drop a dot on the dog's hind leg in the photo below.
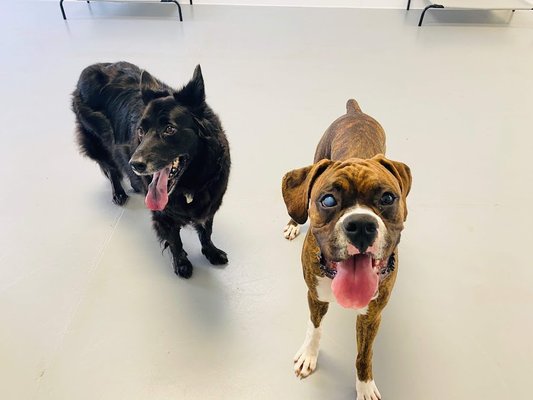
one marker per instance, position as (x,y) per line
(306,357)
(209,250)
(168,232)
(96,140)
(115,177)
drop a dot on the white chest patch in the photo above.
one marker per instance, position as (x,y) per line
(323,289)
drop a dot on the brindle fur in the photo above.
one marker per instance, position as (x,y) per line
(365,138)
(354,134)
(350,156)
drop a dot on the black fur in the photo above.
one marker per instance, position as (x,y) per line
(125,116)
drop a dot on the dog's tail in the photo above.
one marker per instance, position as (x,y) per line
(352,107)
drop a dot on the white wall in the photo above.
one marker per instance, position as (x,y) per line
(401,4)
(318,3)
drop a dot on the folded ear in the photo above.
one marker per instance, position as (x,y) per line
(401,172)
(193,93)
(150,88)
(296,189)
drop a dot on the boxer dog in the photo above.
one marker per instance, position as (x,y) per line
(355,199)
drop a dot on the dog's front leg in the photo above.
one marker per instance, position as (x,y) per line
(168,232)
(367,329)
(306,357)
(136,181)
(209,250)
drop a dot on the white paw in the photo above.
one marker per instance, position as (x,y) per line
(367,390)
(305,361)
(306,357)
(291,231)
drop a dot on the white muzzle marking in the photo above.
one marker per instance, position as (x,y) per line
(342,241)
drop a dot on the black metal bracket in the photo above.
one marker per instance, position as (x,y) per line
(177,4)
(162,1)
(408,4)
(427,8)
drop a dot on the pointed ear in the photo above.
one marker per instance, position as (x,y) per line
(150,88)
(193,93)
(401,172)
(296,189)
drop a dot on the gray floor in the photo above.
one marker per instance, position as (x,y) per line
(89,305)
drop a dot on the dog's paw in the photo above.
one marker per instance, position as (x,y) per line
(120,198)
(305,361)
(215,256)
(367,390)
(306,357)
(291,231)
(183,268)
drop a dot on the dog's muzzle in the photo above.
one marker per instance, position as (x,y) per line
(138,167)
(361,230)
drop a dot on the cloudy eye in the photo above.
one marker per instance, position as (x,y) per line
(140,132)
(328,201)
(387,199)
(170,130)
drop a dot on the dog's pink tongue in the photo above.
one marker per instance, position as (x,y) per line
(157,197)
(356,282)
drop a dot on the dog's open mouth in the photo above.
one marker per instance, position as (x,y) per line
(356,279)
(163,183)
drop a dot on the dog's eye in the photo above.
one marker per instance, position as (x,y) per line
(170,130)
(387,199)
(140,132)
(328,201)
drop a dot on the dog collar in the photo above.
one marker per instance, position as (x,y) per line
(330,272)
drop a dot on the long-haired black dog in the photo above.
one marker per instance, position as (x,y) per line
(169,143)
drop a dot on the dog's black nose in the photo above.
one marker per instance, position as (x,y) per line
(361,230)
(138,166)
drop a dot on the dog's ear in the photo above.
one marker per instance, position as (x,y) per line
(296,188)
(150,88)
(193,93)
(401,172)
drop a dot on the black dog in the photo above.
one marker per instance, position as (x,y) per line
(169,143)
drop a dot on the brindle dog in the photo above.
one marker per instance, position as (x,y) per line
(355,199)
